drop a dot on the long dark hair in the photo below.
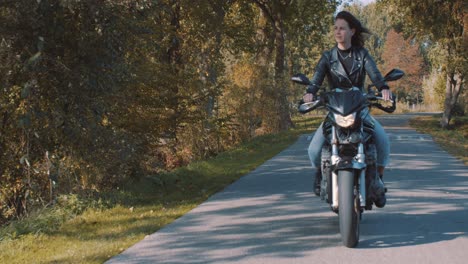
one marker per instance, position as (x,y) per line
(360,31)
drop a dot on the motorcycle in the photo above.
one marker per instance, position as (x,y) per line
(349,171)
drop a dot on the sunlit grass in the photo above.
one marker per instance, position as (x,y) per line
(127,216)
(454,140)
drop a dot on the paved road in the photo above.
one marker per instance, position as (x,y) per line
(271,216)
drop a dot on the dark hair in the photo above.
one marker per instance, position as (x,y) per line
(358,37)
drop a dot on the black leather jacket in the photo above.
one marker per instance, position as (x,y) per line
(330,66)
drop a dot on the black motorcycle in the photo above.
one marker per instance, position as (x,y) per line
(349,171)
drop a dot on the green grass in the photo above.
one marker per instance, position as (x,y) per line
(454,140)
(77,231)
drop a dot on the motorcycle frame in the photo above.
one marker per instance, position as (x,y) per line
(358,164)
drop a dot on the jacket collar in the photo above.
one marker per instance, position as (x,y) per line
(337,66)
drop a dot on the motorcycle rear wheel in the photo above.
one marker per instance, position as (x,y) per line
(349,218)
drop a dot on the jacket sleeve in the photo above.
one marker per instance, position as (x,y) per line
(374,73)
(319,75)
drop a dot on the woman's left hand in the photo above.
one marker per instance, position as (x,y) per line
(386,94)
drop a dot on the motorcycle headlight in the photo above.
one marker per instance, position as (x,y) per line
(345,121)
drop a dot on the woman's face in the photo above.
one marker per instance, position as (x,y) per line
(343,33)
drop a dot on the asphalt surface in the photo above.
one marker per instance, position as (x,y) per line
(272,216)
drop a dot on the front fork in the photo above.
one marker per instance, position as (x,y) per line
(360,158)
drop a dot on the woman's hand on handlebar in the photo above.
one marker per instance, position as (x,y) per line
(308,97)
(386,94)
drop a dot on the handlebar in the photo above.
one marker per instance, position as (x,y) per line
(311,106)
(393,75)
(372,100)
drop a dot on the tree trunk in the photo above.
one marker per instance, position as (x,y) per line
(452,91)
(174,58)
(265,42)
(280,118)
(212,68)
(283,105)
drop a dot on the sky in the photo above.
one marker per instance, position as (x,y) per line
(365,2)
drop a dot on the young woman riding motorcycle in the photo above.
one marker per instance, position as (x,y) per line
(346,66)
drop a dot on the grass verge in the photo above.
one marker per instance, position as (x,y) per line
(70,233)
(454,139)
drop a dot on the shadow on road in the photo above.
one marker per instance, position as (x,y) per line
(272,212)
(428,198)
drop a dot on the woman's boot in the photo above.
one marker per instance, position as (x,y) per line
(317,180)
(379,188)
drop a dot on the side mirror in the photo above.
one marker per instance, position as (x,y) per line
(300,79)
(394,75)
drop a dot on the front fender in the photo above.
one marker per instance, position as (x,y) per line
(348,164)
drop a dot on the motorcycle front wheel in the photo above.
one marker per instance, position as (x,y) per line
(349,218)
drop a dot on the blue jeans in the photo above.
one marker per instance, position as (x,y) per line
(381,143)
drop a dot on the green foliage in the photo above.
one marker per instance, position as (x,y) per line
(292,32)
(63,62)
(433,86)
(99,93)
(439,89)
(308,25)
(374,17)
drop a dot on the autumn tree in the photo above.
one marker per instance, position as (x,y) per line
(307,31)
(274,12)
(405,55)
(61,60)
(376,19)
(290,21)
(98,93)
(444,23)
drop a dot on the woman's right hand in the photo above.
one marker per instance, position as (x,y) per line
(308,97)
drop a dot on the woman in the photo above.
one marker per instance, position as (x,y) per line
(346,66)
